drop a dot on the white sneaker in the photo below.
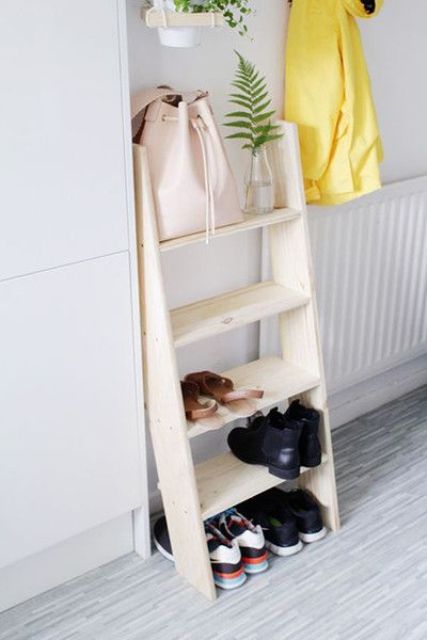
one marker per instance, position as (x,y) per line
(250,538)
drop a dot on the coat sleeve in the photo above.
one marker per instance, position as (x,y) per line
(357,9)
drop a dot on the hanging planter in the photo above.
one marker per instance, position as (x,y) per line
(175,36)
(180,22)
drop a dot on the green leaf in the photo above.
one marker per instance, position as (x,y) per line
(242,103)
(245,87)
(260,109)
(263,116)
(239,124)
(260,141)
(264,130)
(257,85)
(260,98)
(240,136)
(238,114)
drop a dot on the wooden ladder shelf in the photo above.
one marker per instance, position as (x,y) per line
(192,493)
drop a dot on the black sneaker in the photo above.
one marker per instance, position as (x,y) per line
(225,556)
(306,512)
(271,441)
(309,445)
(277,521)
(161,539)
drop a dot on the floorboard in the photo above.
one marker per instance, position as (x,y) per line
(369,582)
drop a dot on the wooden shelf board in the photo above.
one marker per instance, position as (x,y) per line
(154,18)
(232,310)
(224,481)
(279,380)
(250,222)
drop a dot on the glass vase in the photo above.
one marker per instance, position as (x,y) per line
(259,184)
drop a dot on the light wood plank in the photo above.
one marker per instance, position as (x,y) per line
(250,222)
(299,330)
(224,481)
(279,380)
(167,420)
(232,310)
(154,19)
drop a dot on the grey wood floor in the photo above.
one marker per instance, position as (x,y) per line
(369,582)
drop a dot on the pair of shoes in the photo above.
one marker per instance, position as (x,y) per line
(281,442)
(206,383)
(236,547)
(287,518)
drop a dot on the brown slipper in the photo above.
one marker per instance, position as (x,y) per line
(219,388)
(195,410)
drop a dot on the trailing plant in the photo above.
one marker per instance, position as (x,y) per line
(235,12)
(253,119)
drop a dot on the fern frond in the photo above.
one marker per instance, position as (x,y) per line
(252,121)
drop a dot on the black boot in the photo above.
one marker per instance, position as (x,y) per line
(309,444)
(271,441)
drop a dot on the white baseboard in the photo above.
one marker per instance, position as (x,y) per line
(351,403)
(74,557)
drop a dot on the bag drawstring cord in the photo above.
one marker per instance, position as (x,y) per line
(200,128)
(210,217)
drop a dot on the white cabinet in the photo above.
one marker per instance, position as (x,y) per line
(68,417)
(62,159)
(72,457)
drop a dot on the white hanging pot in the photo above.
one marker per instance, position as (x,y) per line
(176,36)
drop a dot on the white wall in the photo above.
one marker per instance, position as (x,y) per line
(395,46)
(396,50)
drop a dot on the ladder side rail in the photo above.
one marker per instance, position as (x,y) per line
(167,420)
(299,329)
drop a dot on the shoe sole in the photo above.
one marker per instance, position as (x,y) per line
(284,474)
(222,583)
(308,538)
(284,551)
(252,569)
(164,553)
(314,462)
(229,583)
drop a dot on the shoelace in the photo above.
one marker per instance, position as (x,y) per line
(214,533)
(237,518)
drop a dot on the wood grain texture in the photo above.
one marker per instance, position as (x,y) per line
(232,310)
(224,481)
(250,223)
(167,420)
(277,378)
(190,494)
(154,18)
(299,330)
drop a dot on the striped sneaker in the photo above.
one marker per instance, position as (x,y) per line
(249,537)
(226,559)
(225,556)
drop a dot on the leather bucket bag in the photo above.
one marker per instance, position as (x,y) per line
(193,185)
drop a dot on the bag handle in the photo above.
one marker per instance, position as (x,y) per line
(139,103)
(141,100)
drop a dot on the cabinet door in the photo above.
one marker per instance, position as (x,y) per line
(68,418)
(62,167)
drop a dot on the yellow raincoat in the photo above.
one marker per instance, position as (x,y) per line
(328,95)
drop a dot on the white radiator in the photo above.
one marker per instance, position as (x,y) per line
(370,266)
(370,263)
